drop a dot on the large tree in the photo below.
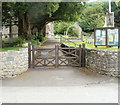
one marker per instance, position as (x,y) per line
(37,15)
(54,12)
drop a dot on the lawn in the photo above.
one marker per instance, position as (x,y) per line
(15,47)
(91,46)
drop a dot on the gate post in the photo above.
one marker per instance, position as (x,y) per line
(80,56)
(56,55)
(33,59)
(29,55)
(83,55)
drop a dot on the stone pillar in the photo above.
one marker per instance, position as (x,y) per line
(50,30)
(110,19)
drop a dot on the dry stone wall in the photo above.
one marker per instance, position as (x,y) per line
(13,63)
(103,61)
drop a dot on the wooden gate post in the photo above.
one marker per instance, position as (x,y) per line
(33,59)
(29,55)
(83,55)
(56,56)
(80,56)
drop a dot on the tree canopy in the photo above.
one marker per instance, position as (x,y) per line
(91,18)
(30,15)
(116,10)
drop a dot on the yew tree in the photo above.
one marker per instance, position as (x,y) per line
(32,14)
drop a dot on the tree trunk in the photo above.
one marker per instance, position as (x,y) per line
(10,32)
(26,27)
(20,27)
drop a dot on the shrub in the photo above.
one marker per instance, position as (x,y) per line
(37,39)
(14,42)
(74,32)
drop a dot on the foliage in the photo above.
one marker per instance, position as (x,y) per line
(15,42)
(116,10)
(8,13)
(44,12)
(35,40)
(20,41)
(73,32)
(53,11)
(115,6)
(68,28)
(61,27)
(92,17)
(38,39)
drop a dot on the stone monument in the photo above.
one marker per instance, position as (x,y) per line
(109,19)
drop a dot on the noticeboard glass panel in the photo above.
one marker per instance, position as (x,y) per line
(112,36)
(100,35)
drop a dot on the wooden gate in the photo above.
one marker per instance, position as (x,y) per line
(55,57)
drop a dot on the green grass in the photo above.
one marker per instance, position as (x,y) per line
(5,40)
(91,46)
(11,48)
(86,37)
(65,36)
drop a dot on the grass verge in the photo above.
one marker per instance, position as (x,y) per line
(91,46)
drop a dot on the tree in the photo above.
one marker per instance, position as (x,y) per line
(55,12)
(61,27)
(37,15)
(116,10)
(21,12)
(8,18)
(92,17)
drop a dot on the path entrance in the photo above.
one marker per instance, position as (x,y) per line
(55,56)
(60,85)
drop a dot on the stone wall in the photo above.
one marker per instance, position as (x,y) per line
(103,61)
(13,63)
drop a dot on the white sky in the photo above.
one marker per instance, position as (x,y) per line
(102,0)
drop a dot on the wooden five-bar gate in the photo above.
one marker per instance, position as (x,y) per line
(55,57)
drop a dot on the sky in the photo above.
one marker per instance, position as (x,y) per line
(102,0)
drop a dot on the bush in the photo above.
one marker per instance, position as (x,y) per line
(61,27)
(20,41)
(14,42)
(38,39)
(73,32)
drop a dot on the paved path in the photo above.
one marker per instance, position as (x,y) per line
(51,43)
(60,85)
